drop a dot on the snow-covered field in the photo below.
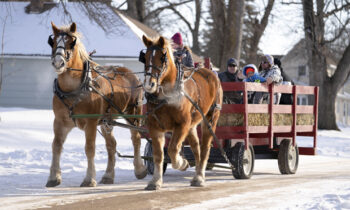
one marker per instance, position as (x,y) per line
(25,158)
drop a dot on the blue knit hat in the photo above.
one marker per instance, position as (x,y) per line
(232,61)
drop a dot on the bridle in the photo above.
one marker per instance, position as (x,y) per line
(61,38)
(148,68)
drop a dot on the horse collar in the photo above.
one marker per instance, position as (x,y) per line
(81,90)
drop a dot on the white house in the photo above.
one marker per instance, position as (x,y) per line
(295,66)
(25,55)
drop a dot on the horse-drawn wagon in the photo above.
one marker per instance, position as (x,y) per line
(88,95)
(261,131)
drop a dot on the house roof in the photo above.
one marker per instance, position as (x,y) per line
(27,34)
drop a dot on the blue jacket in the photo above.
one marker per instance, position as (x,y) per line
(255,78)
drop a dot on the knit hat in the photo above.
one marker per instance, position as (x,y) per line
(177,38)
(231,61)
(268,58)
(249,68)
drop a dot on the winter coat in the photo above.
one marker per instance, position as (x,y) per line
(274,73)
(186,56)
(231,97)
(229,77)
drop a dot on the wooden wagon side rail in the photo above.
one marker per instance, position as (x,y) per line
(269,131)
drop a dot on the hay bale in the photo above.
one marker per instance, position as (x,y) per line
(259,119)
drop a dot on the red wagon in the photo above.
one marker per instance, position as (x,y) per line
(244,143)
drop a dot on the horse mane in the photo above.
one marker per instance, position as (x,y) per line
(84,55)
(167,45)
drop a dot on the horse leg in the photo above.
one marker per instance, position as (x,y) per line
(61,131)
(140,169)
(158,157)
(90,139)
(111,144)
(194,143)
(199,178)
(179,135)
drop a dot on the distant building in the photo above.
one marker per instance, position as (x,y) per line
(295,66)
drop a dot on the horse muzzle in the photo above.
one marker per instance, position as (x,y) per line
(150,87)
(59,64)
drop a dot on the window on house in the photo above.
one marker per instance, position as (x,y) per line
(301,70)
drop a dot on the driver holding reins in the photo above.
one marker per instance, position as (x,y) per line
(181,53)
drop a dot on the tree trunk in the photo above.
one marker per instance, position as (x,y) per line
(136,9)
(259,29)
(218,13)
(195,31)
(233,31)
(326,108)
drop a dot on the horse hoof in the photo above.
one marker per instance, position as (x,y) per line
(106,180)
(197,183)
(141,175)
(152,187)
(53,183)
(185,167)
(88,184)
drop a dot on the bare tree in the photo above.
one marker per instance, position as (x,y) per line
(315,36)
(255,29)
(227,29)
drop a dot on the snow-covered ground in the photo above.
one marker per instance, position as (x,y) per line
(25,158)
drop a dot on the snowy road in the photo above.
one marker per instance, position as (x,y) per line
(321,182)
(325,179)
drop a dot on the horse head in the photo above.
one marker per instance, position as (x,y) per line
(158,60)
(62,43)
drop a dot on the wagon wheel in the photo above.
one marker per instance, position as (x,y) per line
(288,157)
(242,160)
(149,163)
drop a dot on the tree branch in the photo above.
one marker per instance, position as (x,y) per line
(180,15)
(160,9)
(332,12)
(341,31)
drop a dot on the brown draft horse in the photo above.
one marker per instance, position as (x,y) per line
(76,90)
(170,111)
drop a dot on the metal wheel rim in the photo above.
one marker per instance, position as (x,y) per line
(247,161)
(292,157)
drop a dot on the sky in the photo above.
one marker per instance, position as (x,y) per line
(25,157)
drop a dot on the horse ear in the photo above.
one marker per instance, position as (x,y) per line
(146,41)
(54,28)
(161,42)
(73,27)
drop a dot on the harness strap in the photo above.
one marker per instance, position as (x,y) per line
(210,130)
(111,103)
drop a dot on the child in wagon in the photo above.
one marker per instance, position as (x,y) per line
(251,73)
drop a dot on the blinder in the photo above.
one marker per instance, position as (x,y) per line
(51,42)
(142,56)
